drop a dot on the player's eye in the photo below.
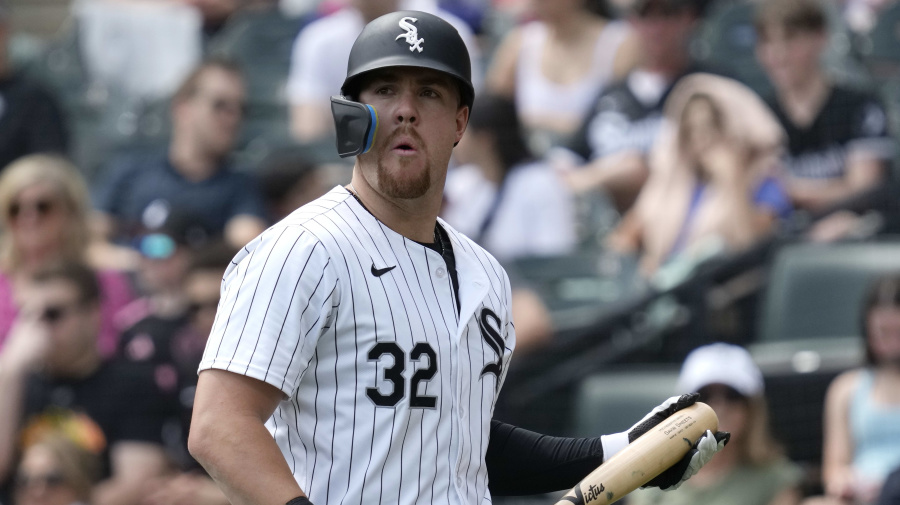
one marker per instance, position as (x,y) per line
(382,90)
(430,93)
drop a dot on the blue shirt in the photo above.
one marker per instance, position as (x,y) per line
(137,185)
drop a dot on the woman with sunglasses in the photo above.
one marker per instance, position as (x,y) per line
(753,470)
(44,204)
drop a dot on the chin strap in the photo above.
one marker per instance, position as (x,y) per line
(355,125)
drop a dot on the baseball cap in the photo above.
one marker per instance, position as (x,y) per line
(720,363)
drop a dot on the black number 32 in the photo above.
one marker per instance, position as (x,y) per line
(394,375)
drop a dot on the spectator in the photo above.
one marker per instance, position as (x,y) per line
(618,133)
(44,204)
(165,254)
(51,374)
(712,187)
(838,144)
(555,66)
(170,339)
(318,62)
(136,50)
(56,471)
(194,174)
(862,406)
(30,117)
(501,197)
(754,470)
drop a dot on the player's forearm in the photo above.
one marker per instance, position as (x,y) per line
(244,460)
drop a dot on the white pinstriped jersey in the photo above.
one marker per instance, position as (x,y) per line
(390,387)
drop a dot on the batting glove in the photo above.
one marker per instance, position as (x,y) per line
(704,449)
(701,452)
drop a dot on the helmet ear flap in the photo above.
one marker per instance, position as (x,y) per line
(355,125)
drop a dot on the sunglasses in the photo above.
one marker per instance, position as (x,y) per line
(725,393)
(42,207)
(53,314)
(47,480)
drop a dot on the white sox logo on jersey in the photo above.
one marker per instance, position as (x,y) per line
(491,335)
(411,35)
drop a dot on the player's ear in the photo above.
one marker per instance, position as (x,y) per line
(462,121)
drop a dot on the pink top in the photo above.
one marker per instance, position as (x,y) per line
(115,289)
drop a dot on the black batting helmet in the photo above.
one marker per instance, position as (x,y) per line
(410,39)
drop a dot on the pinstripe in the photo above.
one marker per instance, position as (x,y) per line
(280,272)
(312,326)
(231,311)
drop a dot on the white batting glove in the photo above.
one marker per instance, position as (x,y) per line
(704,449)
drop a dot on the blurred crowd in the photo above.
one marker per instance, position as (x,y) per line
(144,142)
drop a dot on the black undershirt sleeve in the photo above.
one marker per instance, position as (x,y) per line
(522,462)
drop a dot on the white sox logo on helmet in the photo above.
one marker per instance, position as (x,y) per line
(411,35)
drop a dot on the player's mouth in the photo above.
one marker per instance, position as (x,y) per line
(404,147)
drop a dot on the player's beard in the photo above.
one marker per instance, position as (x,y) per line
(401,184)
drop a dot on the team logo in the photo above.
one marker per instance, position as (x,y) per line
(411,35)
(489,324)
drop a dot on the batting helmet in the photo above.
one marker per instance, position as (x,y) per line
(398,39)
(410,39)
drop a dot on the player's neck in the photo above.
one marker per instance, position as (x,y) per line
(414,219)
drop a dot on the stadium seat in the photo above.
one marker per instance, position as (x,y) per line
(815,290)
(576,287)
(611,402)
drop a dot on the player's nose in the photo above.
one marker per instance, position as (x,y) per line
(406,110)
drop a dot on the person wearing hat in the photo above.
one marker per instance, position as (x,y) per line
(754,469)
(360,343)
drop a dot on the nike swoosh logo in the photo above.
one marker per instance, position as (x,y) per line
(378,272)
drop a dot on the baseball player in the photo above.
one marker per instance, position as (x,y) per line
(360,343)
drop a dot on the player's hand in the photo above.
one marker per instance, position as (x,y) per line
(704,449)
(618,441)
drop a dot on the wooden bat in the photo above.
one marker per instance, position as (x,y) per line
(645,458)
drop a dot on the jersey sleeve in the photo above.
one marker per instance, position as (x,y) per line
(277,298)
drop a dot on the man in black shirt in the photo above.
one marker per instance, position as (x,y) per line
(838,143)
(52,377)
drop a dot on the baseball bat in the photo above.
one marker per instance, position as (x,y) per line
(645,458)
